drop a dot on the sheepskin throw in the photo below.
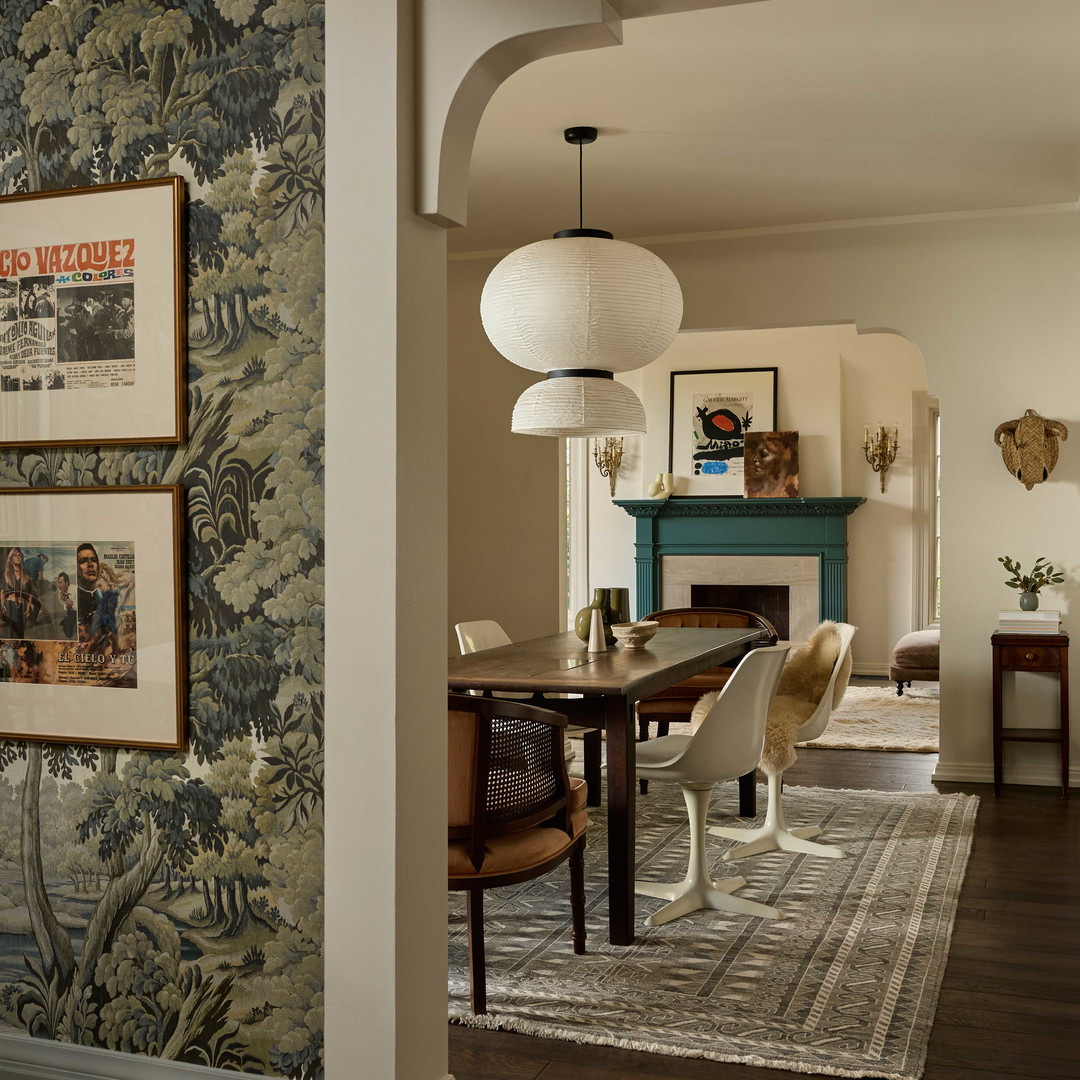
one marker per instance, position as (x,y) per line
(803,683)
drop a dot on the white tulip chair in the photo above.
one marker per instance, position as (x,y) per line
(774,834)
(726,745)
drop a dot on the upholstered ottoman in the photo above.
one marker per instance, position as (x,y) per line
(915,657)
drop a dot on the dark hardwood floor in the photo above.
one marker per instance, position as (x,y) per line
(1010,1002)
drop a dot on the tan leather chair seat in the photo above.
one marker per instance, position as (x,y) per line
(689,689)
(522,850)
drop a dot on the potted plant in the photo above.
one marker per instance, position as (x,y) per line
(1029,584)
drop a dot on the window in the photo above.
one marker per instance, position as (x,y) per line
(575,527)
(926,511)
(935,434)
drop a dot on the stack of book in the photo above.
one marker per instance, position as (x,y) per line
(1029,622)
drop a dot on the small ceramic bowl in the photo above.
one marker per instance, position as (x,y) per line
(634,635)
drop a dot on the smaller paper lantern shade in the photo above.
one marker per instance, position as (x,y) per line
(578,408)
(581,302)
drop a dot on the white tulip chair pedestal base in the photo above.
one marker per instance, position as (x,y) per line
(774,835)
(697,891)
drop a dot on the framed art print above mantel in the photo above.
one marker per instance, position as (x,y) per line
(710,413)
(93,329)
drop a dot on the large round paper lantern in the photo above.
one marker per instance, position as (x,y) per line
(581,302)
(579,307)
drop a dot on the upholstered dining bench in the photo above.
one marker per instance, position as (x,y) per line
(915,658)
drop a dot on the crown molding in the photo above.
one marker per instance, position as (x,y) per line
(814,226)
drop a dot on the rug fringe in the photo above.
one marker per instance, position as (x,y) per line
(545,1031)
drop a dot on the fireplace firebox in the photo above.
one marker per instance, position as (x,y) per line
(772,601)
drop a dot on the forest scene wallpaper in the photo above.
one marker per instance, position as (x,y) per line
(152,903)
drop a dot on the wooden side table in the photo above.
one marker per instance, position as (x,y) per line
(1032,652)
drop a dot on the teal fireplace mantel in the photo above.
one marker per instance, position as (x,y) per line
(816,527)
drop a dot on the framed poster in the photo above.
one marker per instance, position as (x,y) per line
(92,627)
(710,413)
(93,334)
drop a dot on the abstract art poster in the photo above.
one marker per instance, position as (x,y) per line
(80,660)
(92,326)
(710,415)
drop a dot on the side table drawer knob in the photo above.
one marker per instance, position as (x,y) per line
(1029,656)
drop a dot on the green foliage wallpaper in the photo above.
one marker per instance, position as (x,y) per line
(150,903)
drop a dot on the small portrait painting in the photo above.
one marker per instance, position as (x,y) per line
(771,465)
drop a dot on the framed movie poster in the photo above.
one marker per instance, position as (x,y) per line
(92,316)
(92,627)
(711,411)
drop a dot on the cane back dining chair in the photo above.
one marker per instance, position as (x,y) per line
(513,811)
(727,744)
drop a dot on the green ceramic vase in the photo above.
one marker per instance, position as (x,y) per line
(619,605)
(601,600)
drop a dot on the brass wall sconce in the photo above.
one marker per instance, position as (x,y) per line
(608,457)
(880,449)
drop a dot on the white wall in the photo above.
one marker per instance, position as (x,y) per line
(504,559)
(831,380)
(385,567)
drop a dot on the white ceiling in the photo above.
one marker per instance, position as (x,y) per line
(786,112)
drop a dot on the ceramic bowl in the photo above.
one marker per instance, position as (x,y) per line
(634,635)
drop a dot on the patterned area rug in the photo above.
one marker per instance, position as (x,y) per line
(846,984)
(872,717)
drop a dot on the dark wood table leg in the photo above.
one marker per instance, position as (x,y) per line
(592,744)
(619,716)
(997,720)
(748,794)
(587,712)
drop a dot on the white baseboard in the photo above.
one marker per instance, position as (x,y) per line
(879,671)
(959,773)
(956,772)
(24,1058)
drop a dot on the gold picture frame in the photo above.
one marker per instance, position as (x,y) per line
(93,629)
(93,316)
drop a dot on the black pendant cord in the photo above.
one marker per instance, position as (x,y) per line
(580,185)
(580,136)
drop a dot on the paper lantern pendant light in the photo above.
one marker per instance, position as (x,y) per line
(580,307)
(566,404)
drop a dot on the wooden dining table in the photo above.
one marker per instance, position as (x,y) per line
(560,664)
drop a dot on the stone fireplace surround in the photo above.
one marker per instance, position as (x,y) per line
(800,543)
(679,573)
